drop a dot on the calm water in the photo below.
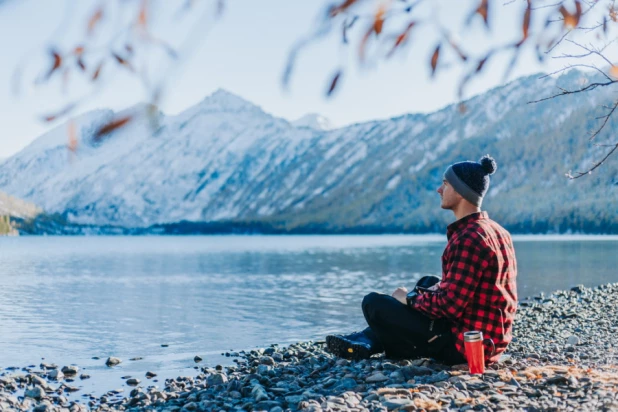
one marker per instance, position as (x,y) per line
(68,299)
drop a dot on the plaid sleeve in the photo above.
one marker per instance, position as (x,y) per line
(463,267)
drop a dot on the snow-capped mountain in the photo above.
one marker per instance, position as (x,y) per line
(314,121)
(226,160)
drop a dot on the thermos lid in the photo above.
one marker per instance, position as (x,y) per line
(473,336)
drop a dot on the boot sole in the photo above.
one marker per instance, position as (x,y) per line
(346,349)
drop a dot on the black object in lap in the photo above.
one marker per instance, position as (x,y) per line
(408,333)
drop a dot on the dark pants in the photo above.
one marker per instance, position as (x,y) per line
(407,333)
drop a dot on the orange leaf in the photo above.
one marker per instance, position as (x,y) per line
(72,134)
(97,72)
(571,20)
(111,126)
(122,61)
(64,111)
(526,24)
(56,65)
(333,83)
(363,44)
(482,11)
(335,10)
(434,60)
(378,21)
(142,19)
(78,51)
(94,20)
(613,71)
(401,38)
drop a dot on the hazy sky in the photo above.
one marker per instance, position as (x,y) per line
(244,52)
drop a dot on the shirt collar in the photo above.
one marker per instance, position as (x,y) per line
(464,221)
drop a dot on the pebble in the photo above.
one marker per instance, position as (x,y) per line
(111,361)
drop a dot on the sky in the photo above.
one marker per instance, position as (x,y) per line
(245,52)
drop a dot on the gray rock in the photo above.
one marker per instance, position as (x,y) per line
(396,403)
(55,375)
(216,379)
(439,377)
(84,376)
(197,359)
(376,377)
(346,384)
(409,372)
(133,381)
(70,370)
(573,340)
(150,375)
(112,361)
(259,393)
(35,393)
(267,360)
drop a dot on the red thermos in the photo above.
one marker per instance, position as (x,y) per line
(475,353)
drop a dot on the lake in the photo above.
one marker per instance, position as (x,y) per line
(69,299)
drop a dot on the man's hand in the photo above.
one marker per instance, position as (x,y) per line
(400,294)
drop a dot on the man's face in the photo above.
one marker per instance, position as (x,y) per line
(450,198)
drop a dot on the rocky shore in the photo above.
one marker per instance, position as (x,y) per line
(563,357)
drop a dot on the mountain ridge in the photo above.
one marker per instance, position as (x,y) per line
(226,164)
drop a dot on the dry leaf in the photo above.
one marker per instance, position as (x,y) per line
(94,20)
(363,44)
(64,111)
(78,51)
(142,19)
(335,10)
(378,21)
(111,126)
(613,72)
(483,12)
(401,38)
(434,60)
(81,64)
(72,134)
(571,20)
(482,62)
(56,64)
(526,23)
(122,61)
(333,83)
(97,72)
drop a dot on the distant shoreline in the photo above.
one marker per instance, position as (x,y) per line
(56,225)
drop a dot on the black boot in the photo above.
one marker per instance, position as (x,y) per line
(355,346)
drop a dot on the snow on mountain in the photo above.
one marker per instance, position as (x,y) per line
(314,121)
(225,159)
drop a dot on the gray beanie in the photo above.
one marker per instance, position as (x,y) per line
(471,179)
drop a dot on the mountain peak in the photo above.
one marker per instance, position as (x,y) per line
(314,121)
(227,100)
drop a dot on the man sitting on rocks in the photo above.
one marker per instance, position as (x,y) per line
(477,290)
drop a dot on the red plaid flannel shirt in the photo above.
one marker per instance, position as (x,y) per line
(477,290)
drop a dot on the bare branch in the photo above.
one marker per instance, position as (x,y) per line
(595,166)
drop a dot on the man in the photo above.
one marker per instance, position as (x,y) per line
(477,290)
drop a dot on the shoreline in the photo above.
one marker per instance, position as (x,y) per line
(563,357)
